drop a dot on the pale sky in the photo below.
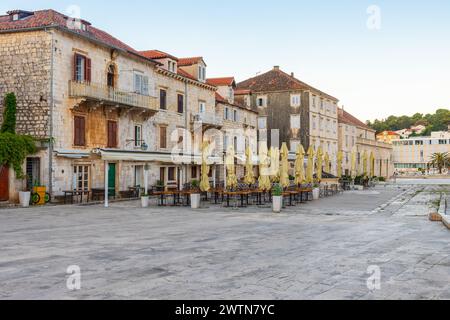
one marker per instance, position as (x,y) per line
(401,68)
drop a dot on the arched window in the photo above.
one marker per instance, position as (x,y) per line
(111,78)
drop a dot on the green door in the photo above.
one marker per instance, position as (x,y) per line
(112,180)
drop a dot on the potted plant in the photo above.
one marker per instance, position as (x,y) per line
(195,195)
(316,191)
(159,186)
(145,200)
(277,198)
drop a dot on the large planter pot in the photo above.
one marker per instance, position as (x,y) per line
(145,201)
(277,204)
(24,198)
(316,193)
(195,201)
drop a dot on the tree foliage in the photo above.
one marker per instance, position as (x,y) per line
(13,148)
(440,161)
(9,114)
(438,121)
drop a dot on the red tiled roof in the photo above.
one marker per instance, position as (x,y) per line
(189,61)
(183,73)
(156,54)
(240,92)
(219,98)
(52,18)
(390,133)
(277,80)
(226,81)
(345,117)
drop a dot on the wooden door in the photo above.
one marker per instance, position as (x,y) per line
(4,183)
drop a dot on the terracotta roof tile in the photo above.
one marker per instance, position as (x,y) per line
(226,81)
(182,62)
(156,54)
(183,73)
(345,117)
(277,80)
(52,18)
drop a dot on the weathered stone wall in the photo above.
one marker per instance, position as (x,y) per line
(25,64)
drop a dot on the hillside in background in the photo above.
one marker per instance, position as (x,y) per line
(438,121)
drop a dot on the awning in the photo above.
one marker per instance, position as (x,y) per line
(72,154)
(146,156)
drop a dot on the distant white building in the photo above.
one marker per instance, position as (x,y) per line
(413,154)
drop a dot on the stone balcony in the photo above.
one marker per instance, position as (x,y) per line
(210,120)
(113,96)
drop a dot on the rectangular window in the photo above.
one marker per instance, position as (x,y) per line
(261,101)
(138,135)
(163,137)
(82,68)
(81,178)
(163,99)
(262,123)
(33,170)
(202,107)
(295,100)
(180,103)
(140,83)
(235,116)
(194,172)
(295,121)
(139,176)
(171,174)
(79,131)
(226,142)
(112,134)
(226,113)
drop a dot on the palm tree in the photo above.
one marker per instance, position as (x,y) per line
(440,161)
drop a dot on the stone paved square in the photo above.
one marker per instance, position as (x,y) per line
(320,250)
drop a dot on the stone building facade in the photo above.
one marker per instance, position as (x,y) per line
(301,113)
(356,136)
(93,101)
(239,124)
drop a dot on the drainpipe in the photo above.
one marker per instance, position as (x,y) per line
(51,106)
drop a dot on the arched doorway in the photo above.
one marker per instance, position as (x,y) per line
(111,76)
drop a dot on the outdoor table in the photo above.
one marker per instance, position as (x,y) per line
(242,194)
(288,194)
(163,194)
(216,193)
(73,193)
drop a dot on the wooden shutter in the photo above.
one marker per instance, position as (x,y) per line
(163,137)
(162,99)
(75,58)
(88,67)
(79,131)
(112,134)
(180,103)
(145,90)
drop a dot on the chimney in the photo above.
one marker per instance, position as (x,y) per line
(276,68)
(292,75)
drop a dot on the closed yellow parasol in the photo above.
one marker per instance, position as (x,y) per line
(319,164)
(310,167)
(327,163)
(354,169)
(284,167)
(300,165)
(249,174)
(264,173)
(365,159)
(372,165)
(340,158)
(232,181)
(274,155)
(204,183)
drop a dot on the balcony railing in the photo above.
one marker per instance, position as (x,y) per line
(111,95)
(373,143)
(208,119)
